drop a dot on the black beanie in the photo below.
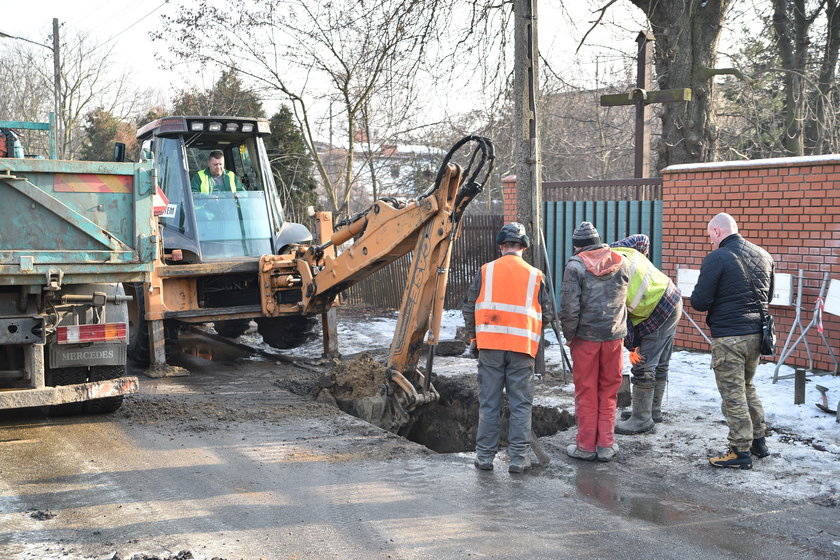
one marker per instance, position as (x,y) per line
(585,235)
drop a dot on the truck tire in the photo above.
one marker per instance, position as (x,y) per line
(109,404)
(232,328)
(66,376)
(287,332)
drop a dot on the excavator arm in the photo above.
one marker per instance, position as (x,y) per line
(425,227)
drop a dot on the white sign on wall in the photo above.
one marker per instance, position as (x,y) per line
(832,299)
(686,280)
(782,289)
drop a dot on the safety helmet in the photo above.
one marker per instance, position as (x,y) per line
(514,232)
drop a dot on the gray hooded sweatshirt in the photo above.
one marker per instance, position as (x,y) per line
(592,298)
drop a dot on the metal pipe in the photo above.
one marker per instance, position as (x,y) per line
(566,363)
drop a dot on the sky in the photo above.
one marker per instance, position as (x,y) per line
(125,26)
(804,442)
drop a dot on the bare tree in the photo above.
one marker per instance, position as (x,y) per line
(87,82)
(786,102)
(25,97)
(352,55)
(793,22)
(687,34)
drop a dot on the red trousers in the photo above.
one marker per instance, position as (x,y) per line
(597,373)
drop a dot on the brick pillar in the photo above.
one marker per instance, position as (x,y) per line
(509,197)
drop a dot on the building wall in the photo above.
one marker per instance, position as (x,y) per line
(789,206)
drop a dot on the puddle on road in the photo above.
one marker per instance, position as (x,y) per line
(449,426)
(192,345)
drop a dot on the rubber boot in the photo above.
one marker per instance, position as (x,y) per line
(658,392)
(640,421)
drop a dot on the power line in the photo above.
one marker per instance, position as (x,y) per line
(113,37)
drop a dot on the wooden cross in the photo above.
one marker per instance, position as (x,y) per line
(641,97)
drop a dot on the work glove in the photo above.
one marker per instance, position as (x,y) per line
(635,357)
(473,349)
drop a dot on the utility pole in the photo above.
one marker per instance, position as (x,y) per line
(57,85)
(528,162)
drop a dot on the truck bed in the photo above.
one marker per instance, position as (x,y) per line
(81,221)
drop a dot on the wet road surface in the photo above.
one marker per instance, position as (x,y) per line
(227,463)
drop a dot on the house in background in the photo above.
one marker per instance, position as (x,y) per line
(380,170)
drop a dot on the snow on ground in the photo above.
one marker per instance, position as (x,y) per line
(804,442)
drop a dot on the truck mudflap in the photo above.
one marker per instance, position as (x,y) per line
(63,394)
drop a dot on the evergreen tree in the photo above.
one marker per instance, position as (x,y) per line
(228,97)
(101,131)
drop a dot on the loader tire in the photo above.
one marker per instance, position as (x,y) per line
(138,332)
(232,328)
(66,376)
(287,332)
(138,329)
(108,404)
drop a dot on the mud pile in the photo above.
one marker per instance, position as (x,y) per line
(357,378)
(183,555)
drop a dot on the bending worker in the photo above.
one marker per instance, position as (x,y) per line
(654,307)
(214,177)
(505,310)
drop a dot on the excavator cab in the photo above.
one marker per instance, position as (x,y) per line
(215,234)
(241,218)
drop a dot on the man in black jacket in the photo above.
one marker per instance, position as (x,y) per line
(734,318)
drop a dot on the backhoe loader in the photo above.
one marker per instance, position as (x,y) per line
(230,257)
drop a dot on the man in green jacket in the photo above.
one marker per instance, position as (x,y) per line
(654,307)
(214,177)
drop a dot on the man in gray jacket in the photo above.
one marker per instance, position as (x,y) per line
(594,316)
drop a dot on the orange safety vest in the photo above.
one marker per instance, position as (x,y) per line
(508,315)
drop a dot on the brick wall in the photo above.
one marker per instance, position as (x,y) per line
(789,206)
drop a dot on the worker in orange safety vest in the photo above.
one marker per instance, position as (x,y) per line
(505,310)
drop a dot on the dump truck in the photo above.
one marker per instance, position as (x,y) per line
(71,233)
(230,256)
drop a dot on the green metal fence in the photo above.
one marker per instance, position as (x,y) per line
(616,209)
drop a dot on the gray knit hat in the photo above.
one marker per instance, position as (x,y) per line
(585,235)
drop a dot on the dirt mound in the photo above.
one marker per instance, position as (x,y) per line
(183,555)
(359,377)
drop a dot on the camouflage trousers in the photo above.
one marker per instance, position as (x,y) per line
(734,359)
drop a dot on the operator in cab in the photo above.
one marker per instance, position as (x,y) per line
(215,178)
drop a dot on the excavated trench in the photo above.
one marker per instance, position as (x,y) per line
(446,426)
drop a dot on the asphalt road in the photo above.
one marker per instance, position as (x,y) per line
(228,463)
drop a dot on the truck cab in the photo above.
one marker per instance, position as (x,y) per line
(201,225)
